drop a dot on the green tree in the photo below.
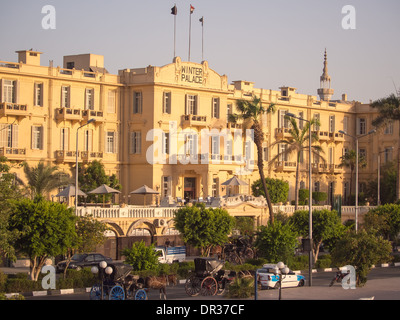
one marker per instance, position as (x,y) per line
(203,227)
(93,175)
(245,225)
(297,144)
(277,242)
(141,257)
(9,189)
(43,179)
(90,233)
(250,112)
(327,227)
(43,229)
(388,183)
(388,108)
(349,160)
(361,250)
(384,221)
(278,189)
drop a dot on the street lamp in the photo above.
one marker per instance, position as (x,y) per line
(310,253)
(280,270)
(356,139)
(76,168)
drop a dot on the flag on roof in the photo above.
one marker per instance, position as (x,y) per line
(174,10)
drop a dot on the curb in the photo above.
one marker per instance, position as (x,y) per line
(49,292)
(87,290)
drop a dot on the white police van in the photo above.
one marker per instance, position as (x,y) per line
(269,279)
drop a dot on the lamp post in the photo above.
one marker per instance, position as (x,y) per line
(310,253)
(279,271)
(356,138)
(76,168)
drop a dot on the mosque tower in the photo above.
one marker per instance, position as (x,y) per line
(325,92)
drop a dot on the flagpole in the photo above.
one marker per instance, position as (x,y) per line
(175,34)
(202,38)
(174,11)
(190,27)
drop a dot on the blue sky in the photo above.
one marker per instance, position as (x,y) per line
(271,43)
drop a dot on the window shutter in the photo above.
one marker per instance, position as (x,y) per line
(132,142)
(16,91)
(138,142)
(2,91)
(32,137)
(358,126)
(115,142)
(41,138)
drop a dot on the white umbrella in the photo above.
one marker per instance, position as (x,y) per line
(235,181)
(104,189)
(144,190)
(70,192)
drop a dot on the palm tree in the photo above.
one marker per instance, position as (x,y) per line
(349,160)
(250,111)
(43,179)
(388,108)
(296,144)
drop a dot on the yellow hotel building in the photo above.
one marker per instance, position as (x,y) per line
(159,113)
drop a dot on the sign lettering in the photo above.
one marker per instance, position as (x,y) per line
(192,74)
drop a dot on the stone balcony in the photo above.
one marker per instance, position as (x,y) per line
(68,114)
(13,109)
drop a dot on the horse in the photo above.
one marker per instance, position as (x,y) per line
(157,283)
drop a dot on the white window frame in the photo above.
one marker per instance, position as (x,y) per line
(167,102)
(38,88)
(111,142)
(191,104)
(65,96)
(9,135)
(89,99)
(37,138)
(9,91)
(215,107)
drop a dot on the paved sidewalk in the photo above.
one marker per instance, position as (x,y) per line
(378,289)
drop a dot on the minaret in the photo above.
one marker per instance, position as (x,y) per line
(325,92)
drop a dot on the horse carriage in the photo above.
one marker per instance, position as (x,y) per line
(209,278)
(237,251)
(117,283)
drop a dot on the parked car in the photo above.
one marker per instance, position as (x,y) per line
(82,260)
(269,279)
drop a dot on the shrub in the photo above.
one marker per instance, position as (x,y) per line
(141,257)
(241,288)
(299,263)
(319,196)
(185,268)
(324,261)
(3,281)
(22,285)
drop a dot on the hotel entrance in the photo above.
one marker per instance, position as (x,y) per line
(189,189)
